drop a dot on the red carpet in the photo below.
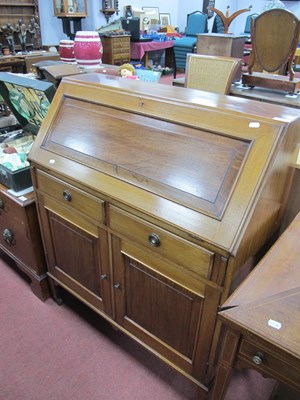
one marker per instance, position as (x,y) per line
(51,352)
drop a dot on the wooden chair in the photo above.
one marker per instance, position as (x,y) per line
(211,73)
(274,38)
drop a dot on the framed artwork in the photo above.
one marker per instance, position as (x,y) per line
(152,13)
(164,19)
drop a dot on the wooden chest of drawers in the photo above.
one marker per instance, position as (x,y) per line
(21,238)
(116,49)
(160,200)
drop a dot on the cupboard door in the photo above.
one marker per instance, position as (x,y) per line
(77,253)
(160,311)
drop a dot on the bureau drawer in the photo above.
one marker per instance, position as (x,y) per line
(196,260)
(279,367)
(71,197)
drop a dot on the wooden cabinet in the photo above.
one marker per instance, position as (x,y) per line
(11,13)
(151,208)
(155,297)
(220,44)
(21,238)
(116,49)
(78,245)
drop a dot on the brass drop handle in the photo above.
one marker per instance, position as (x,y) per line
(154,239)
(258,358)
(9,237)
(67,195)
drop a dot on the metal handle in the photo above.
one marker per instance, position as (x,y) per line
(117,285)
(103,276)
(154,239)
(258,358)
(9,237)
(67,195)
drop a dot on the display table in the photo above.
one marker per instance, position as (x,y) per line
(140,50)
(262,318)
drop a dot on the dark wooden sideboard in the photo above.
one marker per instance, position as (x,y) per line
(262,318)
(151,199)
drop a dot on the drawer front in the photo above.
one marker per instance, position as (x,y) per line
(16,237)
(121,44)
(71,197)
(13,217)
(121,51)
(283,368)
(121,57)
(121,47)
(196,260)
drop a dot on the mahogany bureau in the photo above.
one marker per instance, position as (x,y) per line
(152,198)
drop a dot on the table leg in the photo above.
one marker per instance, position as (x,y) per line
(225,364)
(146,59)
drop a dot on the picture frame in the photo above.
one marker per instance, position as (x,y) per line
(152,13)
(164,19)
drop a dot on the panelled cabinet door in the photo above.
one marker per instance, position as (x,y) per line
(160,311)
(77,253)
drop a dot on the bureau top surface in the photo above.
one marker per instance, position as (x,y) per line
(167,151)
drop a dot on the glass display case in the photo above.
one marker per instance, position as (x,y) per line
(70,8)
